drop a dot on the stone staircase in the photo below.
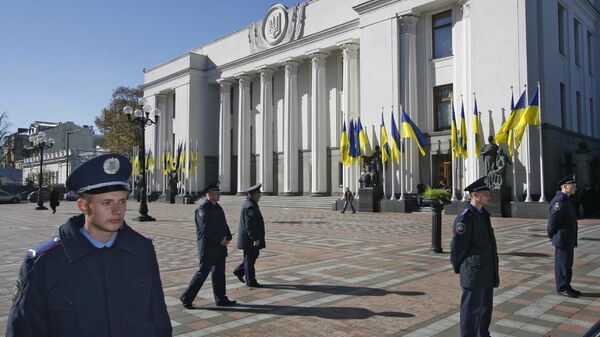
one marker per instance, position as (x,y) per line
(300,201)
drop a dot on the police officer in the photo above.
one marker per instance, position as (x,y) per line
(474,255)
(562,231)
(97,277)
(251,237)
(212,235)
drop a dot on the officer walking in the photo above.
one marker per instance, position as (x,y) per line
(251,237)
(213,236)
(562,231)
(474,255)
(97,277)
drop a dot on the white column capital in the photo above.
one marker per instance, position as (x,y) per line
(465,6)
(244,79)
(408,24)
(225,82)
(290,66)
(266,73)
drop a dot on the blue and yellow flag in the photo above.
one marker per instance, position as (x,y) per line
(385,148)
(410,130)
(462,134)
(476,131)
(502,136)
(345,147)
(531,116)
(353,136)
(454,136)
(395,141)
(365,145)
(150,161)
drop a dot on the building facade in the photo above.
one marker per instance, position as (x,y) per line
(268,103)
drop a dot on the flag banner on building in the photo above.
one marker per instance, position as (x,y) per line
(365,145)
(181,163)
(385,148)
(502,136)
(150,160)
(410,130)
(530,116)
(454,136)
(395,141)
(345,147)
(163,161)
(352,135)
(476,132)
(462,134)
(135,162)
(178,157)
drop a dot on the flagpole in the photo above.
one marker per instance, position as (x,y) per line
(463,162)
(527,154)
(542,196)
(402,156)
(475,139)
(393,196)
(452,157)
(515,197)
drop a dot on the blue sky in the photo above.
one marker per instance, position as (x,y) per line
(60,60)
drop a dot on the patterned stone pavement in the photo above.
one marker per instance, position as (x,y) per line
(327,274)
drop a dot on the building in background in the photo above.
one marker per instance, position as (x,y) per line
(268,103)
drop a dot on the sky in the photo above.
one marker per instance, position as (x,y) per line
(60,60)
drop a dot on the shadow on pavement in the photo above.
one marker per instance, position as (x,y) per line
(321,312)
(590,295)
(526,254)
(341,290)
(590,239)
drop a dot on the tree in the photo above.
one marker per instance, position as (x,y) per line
(120,135)
(4,127)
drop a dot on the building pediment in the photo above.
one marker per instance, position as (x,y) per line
(280,25)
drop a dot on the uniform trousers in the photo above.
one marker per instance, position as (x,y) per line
(476,312)
(215,265)
(246,268)
(563,268)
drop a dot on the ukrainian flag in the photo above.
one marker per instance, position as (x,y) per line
(531,116)
(345,147)
(385,148)
(352,135)
(462,135)
(476,131)
(502,136)
(395,141)
(454,136)
(410,130)
(364,144)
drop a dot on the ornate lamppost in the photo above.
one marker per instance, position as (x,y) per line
(40,142)
(141,117)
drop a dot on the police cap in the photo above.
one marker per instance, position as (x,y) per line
(478,185)
(252,189)
(104,173)
(213,187)
(570,179)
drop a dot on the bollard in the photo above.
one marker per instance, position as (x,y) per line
(436,226)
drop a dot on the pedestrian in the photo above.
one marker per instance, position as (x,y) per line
(562,231)
(54,199)
(97,277)
(212,237)
(474,255)
(251,237)
(348,198)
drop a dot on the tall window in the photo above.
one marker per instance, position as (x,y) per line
(577,41)
(563,106)
(561,29)
(442,34)
(442,107)
(590,47)
(173,106)
(579,112)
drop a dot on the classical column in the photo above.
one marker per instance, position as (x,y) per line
(318,130)
(290,126)
(408,78)
(266,149)
(225,135)
(350,101)
(243,164)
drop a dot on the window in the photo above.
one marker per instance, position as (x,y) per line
(561,29)
(576,35)
(442,34)
(173,106)
(563,106)
(579,114)
(589,51)
(442,107)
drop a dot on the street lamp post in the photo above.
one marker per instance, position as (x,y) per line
(141,117)
(40,142)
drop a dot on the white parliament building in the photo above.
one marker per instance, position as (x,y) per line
(267,104)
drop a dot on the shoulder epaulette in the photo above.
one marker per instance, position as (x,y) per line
(465,213)
(43,247)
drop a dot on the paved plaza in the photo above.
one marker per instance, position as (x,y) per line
(331,274)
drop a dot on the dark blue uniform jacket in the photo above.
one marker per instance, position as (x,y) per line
(473,249)
(252,226)
(69,288)
(211,228)
(562,222)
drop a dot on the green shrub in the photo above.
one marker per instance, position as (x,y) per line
(440,194)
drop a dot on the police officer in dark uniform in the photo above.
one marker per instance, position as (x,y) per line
(251,237)
(97,277)
(474,255)
(213,236)
(562,231)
